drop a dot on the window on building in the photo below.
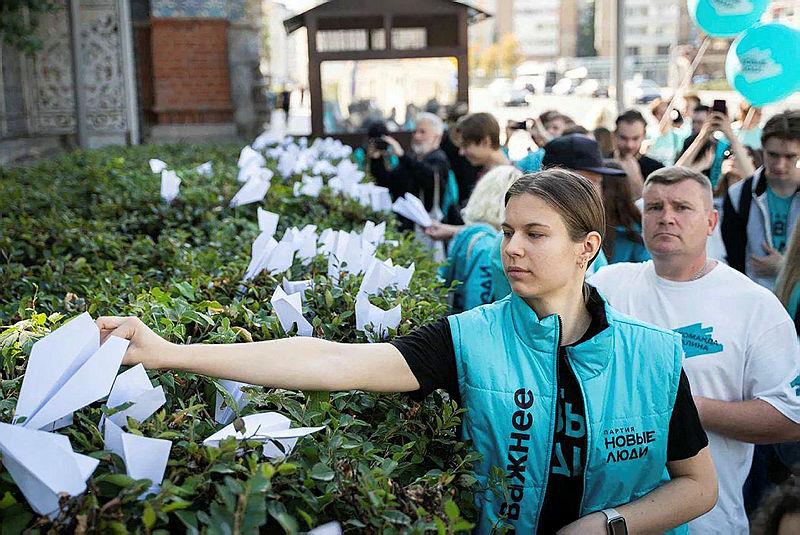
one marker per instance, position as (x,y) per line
(632,50)
(663,50)
(409,38)
(340,40)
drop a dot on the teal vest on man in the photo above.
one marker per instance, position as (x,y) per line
(628,375)
(469,259)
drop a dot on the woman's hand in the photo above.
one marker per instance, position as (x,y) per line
(146,347)
(442,231)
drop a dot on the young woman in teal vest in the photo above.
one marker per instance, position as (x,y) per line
(585,410)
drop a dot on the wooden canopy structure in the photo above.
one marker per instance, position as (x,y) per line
(356,30)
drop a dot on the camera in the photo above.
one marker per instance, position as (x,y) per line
(380,144)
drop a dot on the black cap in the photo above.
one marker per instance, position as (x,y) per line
(577,152)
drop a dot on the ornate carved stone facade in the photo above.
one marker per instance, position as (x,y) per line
(46,78)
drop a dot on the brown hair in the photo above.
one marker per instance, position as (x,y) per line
(676,174)
(568,193)
(621,211)
(476,127)
(789,275)
(784,125)
(783,501)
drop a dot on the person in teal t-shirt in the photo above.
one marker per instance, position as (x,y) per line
(779,208)
(787,287)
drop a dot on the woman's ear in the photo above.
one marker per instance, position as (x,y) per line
(591,246)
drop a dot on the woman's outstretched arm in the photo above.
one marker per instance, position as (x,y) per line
(291,363)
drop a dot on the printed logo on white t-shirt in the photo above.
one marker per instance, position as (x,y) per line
(796,385)
(697,340)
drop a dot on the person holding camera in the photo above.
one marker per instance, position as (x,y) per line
(423,172)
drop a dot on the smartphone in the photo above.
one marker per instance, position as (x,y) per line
(720,106)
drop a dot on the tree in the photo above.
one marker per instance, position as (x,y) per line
(585,45)
(509,55)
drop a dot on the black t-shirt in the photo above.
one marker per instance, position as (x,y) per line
(430,354)
(647,165)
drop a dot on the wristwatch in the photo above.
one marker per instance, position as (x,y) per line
(615,522)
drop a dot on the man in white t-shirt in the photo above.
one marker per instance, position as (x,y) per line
(741,350)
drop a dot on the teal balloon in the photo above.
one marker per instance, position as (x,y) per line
(762,63)
(726,18)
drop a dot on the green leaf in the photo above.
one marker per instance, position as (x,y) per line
(148,516)
(322,472)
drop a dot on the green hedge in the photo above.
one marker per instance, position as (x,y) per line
(89,232)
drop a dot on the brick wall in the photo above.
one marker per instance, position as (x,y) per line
(190,73)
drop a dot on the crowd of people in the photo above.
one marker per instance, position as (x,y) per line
(624,327)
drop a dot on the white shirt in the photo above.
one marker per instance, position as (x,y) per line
(739,344)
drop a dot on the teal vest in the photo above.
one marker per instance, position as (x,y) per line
(628,374)
(469,260)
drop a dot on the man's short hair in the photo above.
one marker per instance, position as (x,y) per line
(631,117)
(701,108)
(434,120)
(784,126)
(549,116)
(676,174)
(476,127)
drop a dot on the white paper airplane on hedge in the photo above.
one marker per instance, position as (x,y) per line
(289,309)
(270,255)
(267,221)
(309,185)
(383,274)
(303,242)
(156,165)
(225,415)
(270,428)
(67,370)
(43,466)
(253,190)
(251,158)
(133,386)
(293,287)
(145,458)
(170,185)
(380,320)
(412,208)
(205,169)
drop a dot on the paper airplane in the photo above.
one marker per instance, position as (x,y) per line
(251,158)
(156,166)
(281,258)
(263,246)
(373,233)
(270,428)
(331,528)
(310,185)
(170,185)
(323,167)
(43,466)
(67,370)
(303,242)
(383,274)
(253,191)
(265,139)
(289,309)
(267,221)
(379,199)
(134,386)
(412,208)
(381,320)
(293,287)
(144,458)
(349,253)
(205,170)
(225,415)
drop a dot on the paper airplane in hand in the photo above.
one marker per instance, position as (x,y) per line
(412,208)
(381,320)
(133,386)
(67,370)
(145,458)
(170,185)
(289,309)
(270,428)
(156,166)
(43,466)
(225,415)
